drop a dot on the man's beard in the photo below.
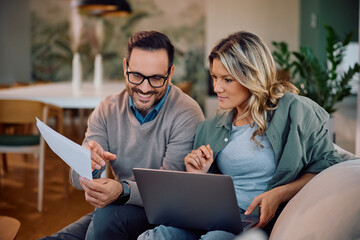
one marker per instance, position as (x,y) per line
(141,107)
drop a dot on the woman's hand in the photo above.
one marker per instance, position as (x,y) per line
(199,160)
(269,203)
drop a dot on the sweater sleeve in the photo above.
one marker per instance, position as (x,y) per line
(300,140)
(320,151)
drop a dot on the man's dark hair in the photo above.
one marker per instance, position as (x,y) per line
(150,40)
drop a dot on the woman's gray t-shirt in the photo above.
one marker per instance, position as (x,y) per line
(250,166)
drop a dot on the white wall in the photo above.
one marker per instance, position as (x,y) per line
(15,41)
(272,20)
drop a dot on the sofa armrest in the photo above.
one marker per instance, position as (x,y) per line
(328,207)
(345,155)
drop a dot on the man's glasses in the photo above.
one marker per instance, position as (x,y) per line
(155,81)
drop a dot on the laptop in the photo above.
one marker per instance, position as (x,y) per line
(191,200)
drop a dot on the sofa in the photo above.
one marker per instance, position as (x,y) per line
(328,207)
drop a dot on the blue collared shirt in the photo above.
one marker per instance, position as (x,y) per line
(150,115)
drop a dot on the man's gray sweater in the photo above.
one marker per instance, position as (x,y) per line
(161,143)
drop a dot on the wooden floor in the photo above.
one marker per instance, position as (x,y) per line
(18,194)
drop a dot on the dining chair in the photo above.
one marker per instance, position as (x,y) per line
(9,227)
(15,113)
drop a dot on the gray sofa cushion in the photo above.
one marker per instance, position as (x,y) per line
(328,207)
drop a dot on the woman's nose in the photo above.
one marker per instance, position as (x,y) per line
(217,87)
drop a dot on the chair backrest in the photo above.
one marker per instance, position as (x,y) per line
(9,227)
(14,111)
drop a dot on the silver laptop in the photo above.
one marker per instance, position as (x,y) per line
(189,200)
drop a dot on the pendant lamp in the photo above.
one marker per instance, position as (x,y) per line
(97,5)
(122,9)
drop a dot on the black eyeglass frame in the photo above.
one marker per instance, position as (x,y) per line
(148,78)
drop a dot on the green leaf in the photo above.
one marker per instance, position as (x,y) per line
(319,82)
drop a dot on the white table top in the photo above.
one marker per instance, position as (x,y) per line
(63,95)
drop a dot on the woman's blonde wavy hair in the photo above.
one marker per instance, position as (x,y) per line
(246,57)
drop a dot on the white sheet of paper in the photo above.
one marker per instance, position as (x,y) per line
(76,156)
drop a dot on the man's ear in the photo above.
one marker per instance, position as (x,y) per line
(171,73)
(124,66)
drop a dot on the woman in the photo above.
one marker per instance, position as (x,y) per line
(267,138)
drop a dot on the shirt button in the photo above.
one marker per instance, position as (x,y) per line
(226,139)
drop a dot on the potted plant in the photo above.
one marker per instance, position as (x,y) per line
(282,57)
(320,82)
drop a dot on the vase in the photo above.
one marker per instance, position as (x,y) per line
(98,72)
(76,72)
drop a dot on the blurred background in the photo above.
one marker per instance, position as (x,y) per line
(59,42)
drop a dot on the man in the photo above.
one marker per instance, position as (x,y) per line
(150,124)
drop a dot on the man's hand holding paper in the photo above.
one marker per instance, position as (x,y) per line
(98,155)
(82,160)
(101,192)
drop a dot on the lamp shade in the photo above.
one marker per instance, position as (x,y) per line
(123,9)
(97,5)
